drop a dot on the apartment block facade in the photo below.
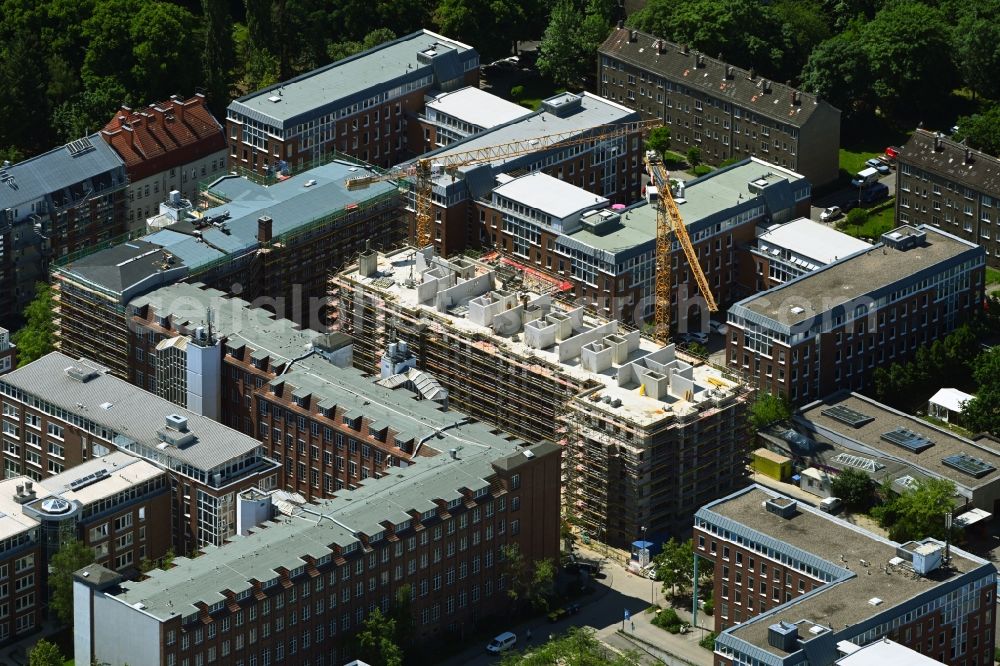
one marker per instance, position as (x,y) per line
(607,255)
(829,329)
(360,106)
(947,185)
(299,588)
(8,352)
(723,110)
(793,583)
(167,146)
(511,353)
(62,202)
(60,412)
(276,243)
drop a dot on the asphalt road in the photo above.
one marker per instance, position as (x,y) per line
(840,197)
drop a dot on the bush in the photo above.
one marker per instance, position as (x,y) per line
(516,93)
(694,156)
(708,642)
(668,619)
(857,217)
(702,169)
(708,606)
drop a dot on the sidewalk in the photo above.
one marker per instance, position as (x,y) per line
(662,644)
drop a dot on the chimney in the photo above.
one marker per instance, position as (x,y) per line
(701,60)
(751,74)
(621,24)
(968,155)
(937,142)
(684,49)
(659,46)
(633,36)
(766,85)
(730,71)
(796,98)
(178,108)
(265,229)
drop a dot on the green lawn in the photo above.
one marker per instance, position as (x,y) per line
(536,89)
(879,222)
(992,276)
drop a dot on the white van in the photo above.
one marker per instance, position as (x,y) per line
(865,177)
(502,643)
(830,505)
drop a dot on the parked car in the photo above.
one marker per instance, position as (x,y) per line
(699,337)
(874,193)
(830,505)
(502,643)
(865,177)
(572,609)
(892,152)
(878,165)
(719,327)
(830,214)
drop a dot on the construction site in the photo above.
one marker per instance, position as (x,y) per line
(648,433)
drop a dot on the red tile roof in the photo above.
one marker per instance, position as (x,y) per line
(164,135)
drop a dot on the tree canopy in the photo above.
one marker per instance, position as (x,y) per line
(45,653)
(577,647)
(34,339)
(378,640)
(72,556)
(981,130)
(674,566)
(918,513)
(855,488)
(767,409)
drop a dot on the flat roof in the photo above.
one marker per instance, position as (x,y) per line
(549,195)
(810,239)
(861,274)
(283,542)
(13,520)
(477,107)
(620,380)
(884,652)
(324,87)
(128,410)
(839,547)
(884,419)
(124,471)
(729,187)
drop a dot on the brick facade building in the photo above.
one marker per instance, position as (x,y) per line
(723,110)
(828,329)
(792,583)
(947,185)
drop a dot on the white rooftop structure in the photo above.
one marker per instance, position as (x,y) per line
(476,107)
(810,241)
(950,399)
(636,377)
(549,195)
(881,653)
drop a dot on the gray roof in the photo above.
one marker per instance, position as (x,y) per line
(57,169)
(290,203)
(675,65)
(982,173)
(885,419)
(839,547)
(132,413)
(859,276)
(357,77)
(166,594)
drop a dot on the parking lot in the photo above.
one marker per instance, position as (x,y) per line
(849,197)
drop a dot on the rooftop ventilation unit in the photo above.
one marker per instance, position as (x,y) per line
(783,636)
(85,481)
(177,422)
(781,506)
(82,375)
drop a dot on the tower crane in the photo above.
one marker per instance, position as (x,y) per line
(423,169)
(669,224)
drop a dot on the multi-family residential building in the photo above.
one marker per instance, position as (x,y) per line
(723,110)
(649,434)
(794,584)
(112,504)
(828,329)
(783,252)
(946,184)
(8,352)
(610,167)
(298,588)
(62,202)
(276,242)
(452,116)
(168,146)
(361,106)
(607,254)
(59,412)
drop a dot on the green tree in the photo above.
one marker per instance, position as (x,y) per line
(72,556)
(45,653)
(905,44)
(543,580)
(23,76)
(492,25)
(982,413)
(559,52)
(378,640)
(34,339)
(918,513)
(767,409)
(577,647)
(402,615)
(855,488)
(340,50)
(977,47)
(838,71)
(694,156)
(217,56)
(856,217)
(674,566)
(658,140)
(981,130)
